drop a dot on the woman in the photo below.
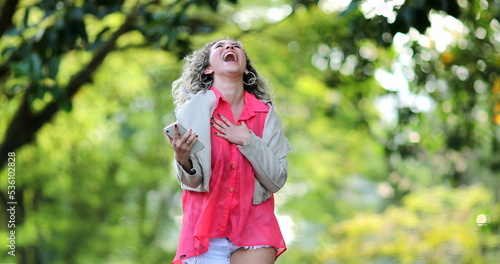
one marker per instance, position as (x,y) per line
(227,199)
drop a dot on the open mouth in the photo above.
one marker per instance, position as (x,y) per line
(230,56)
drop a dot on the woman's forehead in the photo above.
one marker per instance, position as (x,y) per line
(227,41)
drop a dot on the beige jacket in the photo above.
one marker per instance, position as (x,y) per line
(267,154)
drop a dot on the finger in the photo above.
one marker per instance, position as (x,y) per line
(221,135)
(186,135)
(176,132)
(220,123)
(191,139)
(216,125)
(225,120)
(243,124)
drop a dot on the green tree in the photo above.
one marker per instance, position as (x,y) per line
(453,141)
(462,127)
(36,36)
(96,186)
(436,225)
(81,198)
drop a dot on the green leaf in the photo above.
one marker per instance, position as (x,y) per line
(100,34)
(55,90)
(19,68)
(65,104)
(53,66)
(35,66)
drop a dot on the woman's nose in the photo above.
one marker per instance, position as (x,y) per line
(229,46)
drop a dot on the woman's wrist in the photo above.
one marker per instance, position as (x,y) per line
(187,165)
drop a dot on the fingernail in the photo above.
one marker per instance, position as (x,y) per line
(176,125)
(196,135)
(212,118)
(211,123)
(218,114)
(215,133)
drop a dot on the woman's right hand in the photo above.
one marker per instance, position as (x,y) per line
(182,146)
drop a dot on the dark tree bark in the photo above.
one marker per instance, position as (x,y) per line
(25,124)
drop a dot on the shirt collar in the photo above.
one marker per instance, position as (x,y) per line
(251,106)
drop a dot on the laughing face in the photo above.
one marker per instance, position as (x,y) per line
(227,58)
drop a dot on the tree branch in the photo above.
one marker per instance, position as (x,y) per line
(25,124)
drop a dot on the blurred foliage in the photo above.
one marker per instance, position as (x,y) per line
(102,186)
(373,176)
(93,181)
(44,33)
(437,225)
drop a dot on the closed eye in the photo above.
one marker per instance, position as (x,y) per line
(219,45)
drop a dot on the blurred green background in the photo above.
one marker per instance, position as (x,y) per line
(392,109)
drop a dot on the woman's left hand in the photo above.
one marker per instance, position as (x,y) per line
(239,135)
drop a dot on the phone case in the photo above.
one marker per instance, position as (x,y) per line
(169,130)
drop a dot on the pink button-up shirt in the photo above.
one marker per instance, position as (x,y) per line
(227,209)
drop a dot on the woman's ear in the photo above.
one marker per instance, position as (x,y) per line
(208,70)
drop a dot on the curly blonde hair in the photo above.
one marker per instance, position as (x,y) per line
(193,80)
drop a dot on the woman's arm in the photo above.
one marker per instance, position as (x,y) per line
(190,176)
(189,170)
(270,169)
(268,154)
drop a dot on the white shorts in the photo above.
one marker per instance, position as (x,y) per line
(219,252)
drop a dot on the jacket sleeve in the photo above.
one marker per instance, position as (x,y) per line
(195,114)
(190,181)
(268,154)
(270,170)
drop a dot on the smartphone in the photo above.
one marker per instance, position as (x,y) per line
(170,130)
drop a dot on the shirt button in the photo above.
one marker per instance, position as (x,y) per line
(231,189)
(233,166)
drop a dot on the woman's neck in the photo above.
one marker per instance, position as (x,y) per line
(233,92)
